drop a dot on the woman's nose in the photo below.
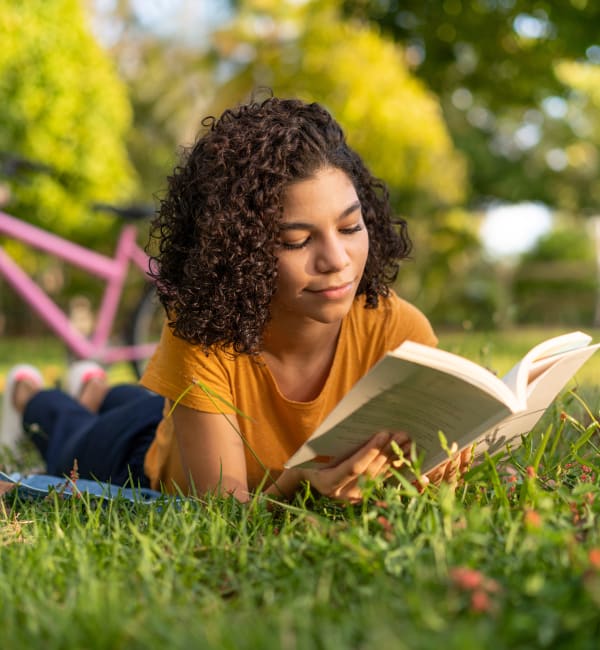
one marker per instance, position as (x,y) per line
(332,255)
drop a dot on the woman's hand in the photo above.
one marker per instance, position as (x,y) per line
(373,459)
(452,469)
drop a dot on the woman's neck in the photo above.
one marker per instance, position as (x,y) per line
(310,340)
(300,361)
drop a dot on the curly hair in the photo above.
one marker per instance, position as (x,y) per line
(218,225)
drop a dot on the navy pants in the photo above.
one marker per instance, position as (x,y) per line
(109,445)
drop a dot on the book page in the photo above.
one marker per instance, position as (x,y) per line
(540,358)
(508,431)
(541,393)
(548,384)
(453,364)
(421,402)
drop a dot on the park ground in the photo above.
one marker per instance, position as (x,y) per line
(508,558)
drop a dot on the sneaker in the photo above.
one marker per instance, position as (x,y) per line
(80,373)
(11,426)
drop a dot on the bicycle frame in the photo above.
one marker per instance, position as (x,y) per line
(111,269)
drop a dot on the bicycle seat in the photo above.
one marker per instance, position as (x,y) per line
(134,212)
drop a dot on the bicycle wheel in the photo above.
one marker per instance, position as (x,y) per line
(145,325)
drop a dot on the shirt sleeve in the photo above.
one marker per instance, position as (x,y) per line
(183,372)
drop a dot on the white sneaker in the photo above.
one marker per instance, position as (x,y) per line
(11,425)
(79,374)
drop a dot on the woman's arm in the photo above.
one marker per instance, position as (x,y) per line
(212,452)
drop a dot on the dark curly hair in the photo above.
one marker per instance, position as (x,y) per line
(218,225)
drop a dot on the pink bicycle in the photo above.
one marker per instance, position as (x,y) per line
(141,335)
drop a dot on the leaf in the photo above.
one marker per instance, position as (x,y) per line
(6,487)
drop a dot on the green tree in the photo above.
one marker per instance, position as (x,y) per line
(494,66)
(62,104)
(308,50)
(449,278)
(166,62)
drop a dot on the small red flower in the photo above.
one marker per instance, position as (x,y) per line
(532,519)
(466,578)
(530,471)
(384,522)
(480,601)
(594,558)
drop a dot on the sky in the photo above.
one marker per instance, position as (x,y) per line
(509,230)
(189,20)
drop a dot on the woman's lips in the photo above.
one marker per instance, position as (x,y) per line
(334,292)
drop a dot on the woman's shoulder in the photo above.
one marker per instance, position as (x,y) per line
(177,363)
(394,318)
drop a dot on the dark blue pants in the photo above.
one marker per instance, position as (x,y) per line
(109,445)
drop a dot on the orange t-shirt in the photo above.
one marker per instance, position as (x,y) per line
(276,426)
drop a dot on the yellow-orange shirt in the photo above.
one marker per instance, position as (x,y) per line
(278,426)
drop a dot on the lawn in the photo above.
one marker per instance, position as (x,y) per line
(509,558)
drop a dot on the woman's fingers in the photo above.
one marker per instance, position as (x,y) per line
(376,459)
(372,460)
(358,463)
(466,457)
(453,468)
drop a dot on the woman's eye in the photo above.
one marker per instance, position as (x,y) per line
(352,229)
(295,244)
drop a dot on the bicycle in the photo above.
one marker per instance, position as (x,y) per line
(142,333)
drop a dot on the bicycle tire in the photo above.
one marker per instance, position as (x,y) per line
(145,325)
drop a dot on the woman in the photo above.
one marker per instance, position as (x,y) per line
(276,253)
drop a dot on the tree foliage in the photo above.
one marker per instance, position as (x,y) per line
(308,50)
(61,104)
(496,66)
(170,80)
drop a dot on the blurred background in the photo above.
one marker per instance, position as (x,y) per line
(483,117)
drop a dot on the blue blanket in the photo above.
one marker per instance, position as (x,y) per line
(40,485)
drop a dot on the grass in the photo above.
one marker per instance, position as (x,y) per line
(509,558)
(498,351)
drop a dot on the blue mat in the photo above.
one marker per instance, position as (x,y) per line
(40,485)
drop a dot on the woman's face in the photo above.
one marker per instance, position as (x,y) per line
(323,250)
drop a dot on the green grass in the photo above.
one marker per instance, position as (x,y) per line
(389,573)
(498,351)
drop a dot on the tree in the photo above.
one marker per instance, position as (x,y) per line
(163,54)
(63,105)
(493,63)
(308,50)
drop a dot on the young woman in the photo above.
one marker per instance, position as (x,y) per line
(276,250)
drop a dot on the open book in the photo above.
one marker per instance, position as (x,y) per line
(423,390)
